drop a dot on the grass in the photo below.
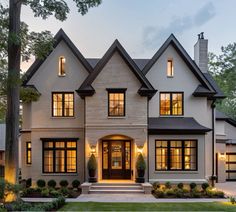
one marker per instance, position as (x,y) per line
(98,206)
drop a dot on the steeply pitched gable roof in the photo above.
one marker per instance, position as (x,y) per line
(60,36)
(184,55)
(146,88)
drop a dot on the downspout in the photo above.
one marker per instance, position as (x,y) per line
(147,140)
(85,140)
(213,143)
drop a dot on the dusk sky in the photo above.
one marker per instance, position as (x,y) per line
(143,25)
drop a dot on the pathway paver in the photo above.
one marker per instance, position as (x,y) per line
(228,187)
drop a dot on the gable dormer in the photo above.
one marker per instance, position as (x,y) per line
(146,89)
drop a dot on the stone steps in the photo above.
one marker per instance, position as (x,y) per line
(116,188)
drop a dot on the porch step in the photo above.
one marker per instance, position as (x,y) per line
(116,188)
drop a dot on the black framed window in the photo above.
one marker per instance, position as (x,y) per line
(59,156)
(116,102)
(172,103)
(28,153)
(172,155)
(62,62)
(62,104)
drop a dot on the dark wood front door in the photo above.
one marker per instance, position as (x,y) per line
(116,159)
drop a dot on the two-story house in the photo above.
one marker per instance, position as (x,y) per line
(117,107)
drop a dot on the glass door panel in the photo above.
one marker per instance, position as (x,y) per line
(116,155)
(127,155)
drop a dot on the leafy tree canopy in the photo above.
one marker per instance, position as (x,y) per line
(223,69)
(32,44)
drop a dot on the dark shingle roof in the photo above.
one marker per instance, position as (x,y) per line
(139,62)
(202,91)
(175,125)
(221,116)
(219,93)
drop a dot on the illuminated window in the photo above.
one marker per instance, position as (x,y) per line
(170,68)
(62,62)
(63,104)
(59,156)
(28,153)
(176,155)
(116,102)
(171,104)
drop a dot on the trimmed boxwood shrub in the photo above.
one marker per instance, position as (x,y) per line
(205,186)
(75,183)
(64,183)
(28,182)
(41,183)
(45,192)
(192,186)
(52,183)
(156,185)
(168,185)
(158,193)
(180,185)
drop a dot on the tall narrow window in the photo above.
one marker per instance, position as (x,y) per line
(116,102)
(28,153)
(170,68)
(176,155)
(171,103)
(62,62)
(161,155)
(59,156)
(63,104)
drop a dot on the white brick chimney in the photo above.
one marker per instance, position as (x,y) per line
(201,53)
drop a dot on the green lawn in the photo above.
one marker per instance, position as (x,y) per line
(95,206)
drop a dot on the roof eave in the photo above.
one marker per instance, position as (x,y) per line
(177,131)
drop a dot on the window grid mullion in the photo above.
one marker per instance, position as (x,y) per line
(183,155)
(168,155)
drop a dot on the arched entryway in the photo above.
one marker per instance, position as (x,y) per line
(116,157)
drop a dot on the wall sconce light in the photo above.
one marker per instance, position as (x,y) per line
(222,156)
(93,149)
(140,149)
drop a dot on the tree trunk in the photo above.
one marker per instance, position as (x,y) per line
(13,87)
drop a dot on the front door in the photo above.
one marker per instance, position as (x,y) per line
(116,159)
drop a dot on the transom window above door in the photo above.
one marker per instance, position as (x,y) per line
(62,104)
(116,102)
(171,103)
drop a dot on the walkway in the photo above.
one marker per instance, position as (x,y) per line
(122,198)
(229,188)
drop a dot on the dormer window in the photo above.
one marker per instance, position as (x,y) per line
(62,62)
(170,68)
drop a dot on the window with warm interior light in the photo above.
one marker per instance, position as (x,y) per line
(28,153)
(59,156)
(62,62)
(116,102)
(174,155)
(170,68)
(171,103)
(62,104)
